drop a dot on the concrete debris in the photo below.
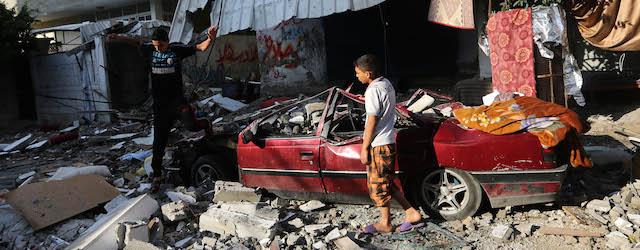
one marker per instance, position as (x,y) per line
(115,203)
(316,229)
(37,145)
(424,102)
(311,205)
(176,196)
(295,239)
(599,205)
(616,239)
(597,216)
(334,234)
(502,233)
(225,222)
(119,182)
(345,243)
(143,187)
(103,234)
(19,144)
(208,241)
(156,229)
(71,229)
(234,192)
(139,245)
(297,223)
(624,226)
(129,231)
(320,245)
(525,229)
(174,211)
(26,175)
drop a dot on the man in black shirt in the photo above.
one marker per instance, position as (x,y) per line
(166,88)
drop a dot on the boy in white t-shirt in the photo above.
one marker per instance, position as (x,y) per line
(378,147)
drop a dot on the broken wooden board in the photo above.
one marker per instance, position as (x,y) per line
(46,203)
(580,215)
(568,231)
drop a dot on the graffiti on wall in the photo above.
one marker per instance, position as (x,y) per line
(228,55)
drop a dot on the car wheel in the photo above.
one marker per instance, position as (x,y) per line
(207,170)
(450,193)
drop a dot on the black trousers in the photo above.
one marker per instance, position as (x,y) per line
(165,112)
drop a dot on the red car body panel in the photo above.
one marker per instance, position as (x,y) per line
(506,166)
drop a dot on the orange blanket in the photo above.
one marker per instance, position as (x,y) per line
(551,123)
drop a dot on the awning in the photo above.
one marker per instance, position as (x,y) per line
(68,27)
(262,14)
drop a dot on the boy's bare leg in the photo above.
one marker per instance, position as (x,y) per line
(411,214)
(384,225)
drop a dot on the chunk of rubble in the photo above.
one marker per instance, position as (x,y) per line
(599,205)
(616,239)
(183,242)
(113,204)
(64,173)
(295,239)
(139,245)
(502,233)
(261,225)
(174,211)
(297,223)
(334,234)
(316,229)
(71,229)
(177,196)
(156,229)
(524,228)
(19,144)
(234,192)
(311,205)
(119,182)
(103,234)
(208,241)
(129,231)
(597,216)
(624,226)
(320,245)
(346,243)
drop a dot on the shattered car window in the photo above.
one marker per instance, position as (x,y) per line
(300,119)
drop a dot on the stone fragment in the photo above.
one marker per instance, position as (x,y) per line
(457,225)
(129,231)
(635,202)
(502,213)
(174,211)
(598,217)
(279,202)
(224,222)
(311,205)
(177,196)
(119,182)
(624,226)
(139,245)
(334,234)
(234,192)
(319,245)
(316,229)
(69,230)
(502,233)
(524,228)
(600,205)
(616,239)
(345,243)
(297,223)
(616,213)
(295,239)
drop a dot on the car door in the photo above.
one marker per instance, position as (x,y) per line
(341,168)
(284,162)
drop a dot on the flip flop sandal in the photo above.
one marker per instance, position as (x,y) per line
(406,226)
(372,230)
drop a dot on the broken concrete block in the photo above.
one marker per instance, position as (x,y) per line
(624,226)
(457,225)
(176,196)
(279,202)
(597,216)
(635,202)
(119,182)
(113,204)
(599,205)
(174,211)
(334,234)
(234,192)
(224,222)
(502,233)
(69,230)
(320,245)
(616,239)
(240,207)
(316,229)
(208,241)
(139,245)
(524,228)
(311,205)
(616,213)
(295,239)
(297,223)
(103,234)
(345,243)
(143,187)
(129,231)
(19,144)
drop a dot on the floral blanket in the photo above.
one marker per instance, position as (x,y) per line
(551,123)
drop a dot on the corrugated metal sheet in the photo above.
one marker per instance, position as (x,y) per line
(68,27)
(182,29)
(262,14)
(142,29)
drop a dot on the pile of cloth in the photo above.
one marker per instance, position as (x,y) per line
(551,123)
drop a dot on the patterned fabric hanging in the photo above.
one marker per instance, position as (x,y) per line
(453,13)
(511,45)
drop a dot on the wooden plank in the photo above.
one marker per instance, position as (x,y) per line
(46,203)
(568,231)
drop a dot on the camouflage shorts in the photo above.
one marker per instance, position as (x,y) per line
(380,174)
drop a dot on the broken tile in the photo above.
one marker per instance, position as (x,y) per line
(311,205)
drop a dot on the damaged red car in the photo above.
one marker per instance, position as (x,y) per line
(309,149)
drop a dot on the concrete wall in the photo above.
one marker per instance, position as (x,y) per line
(238,53)
(293,58)
(57,75)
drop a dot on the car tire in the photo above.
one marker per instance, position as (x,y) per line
(208,169)
(456,199)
